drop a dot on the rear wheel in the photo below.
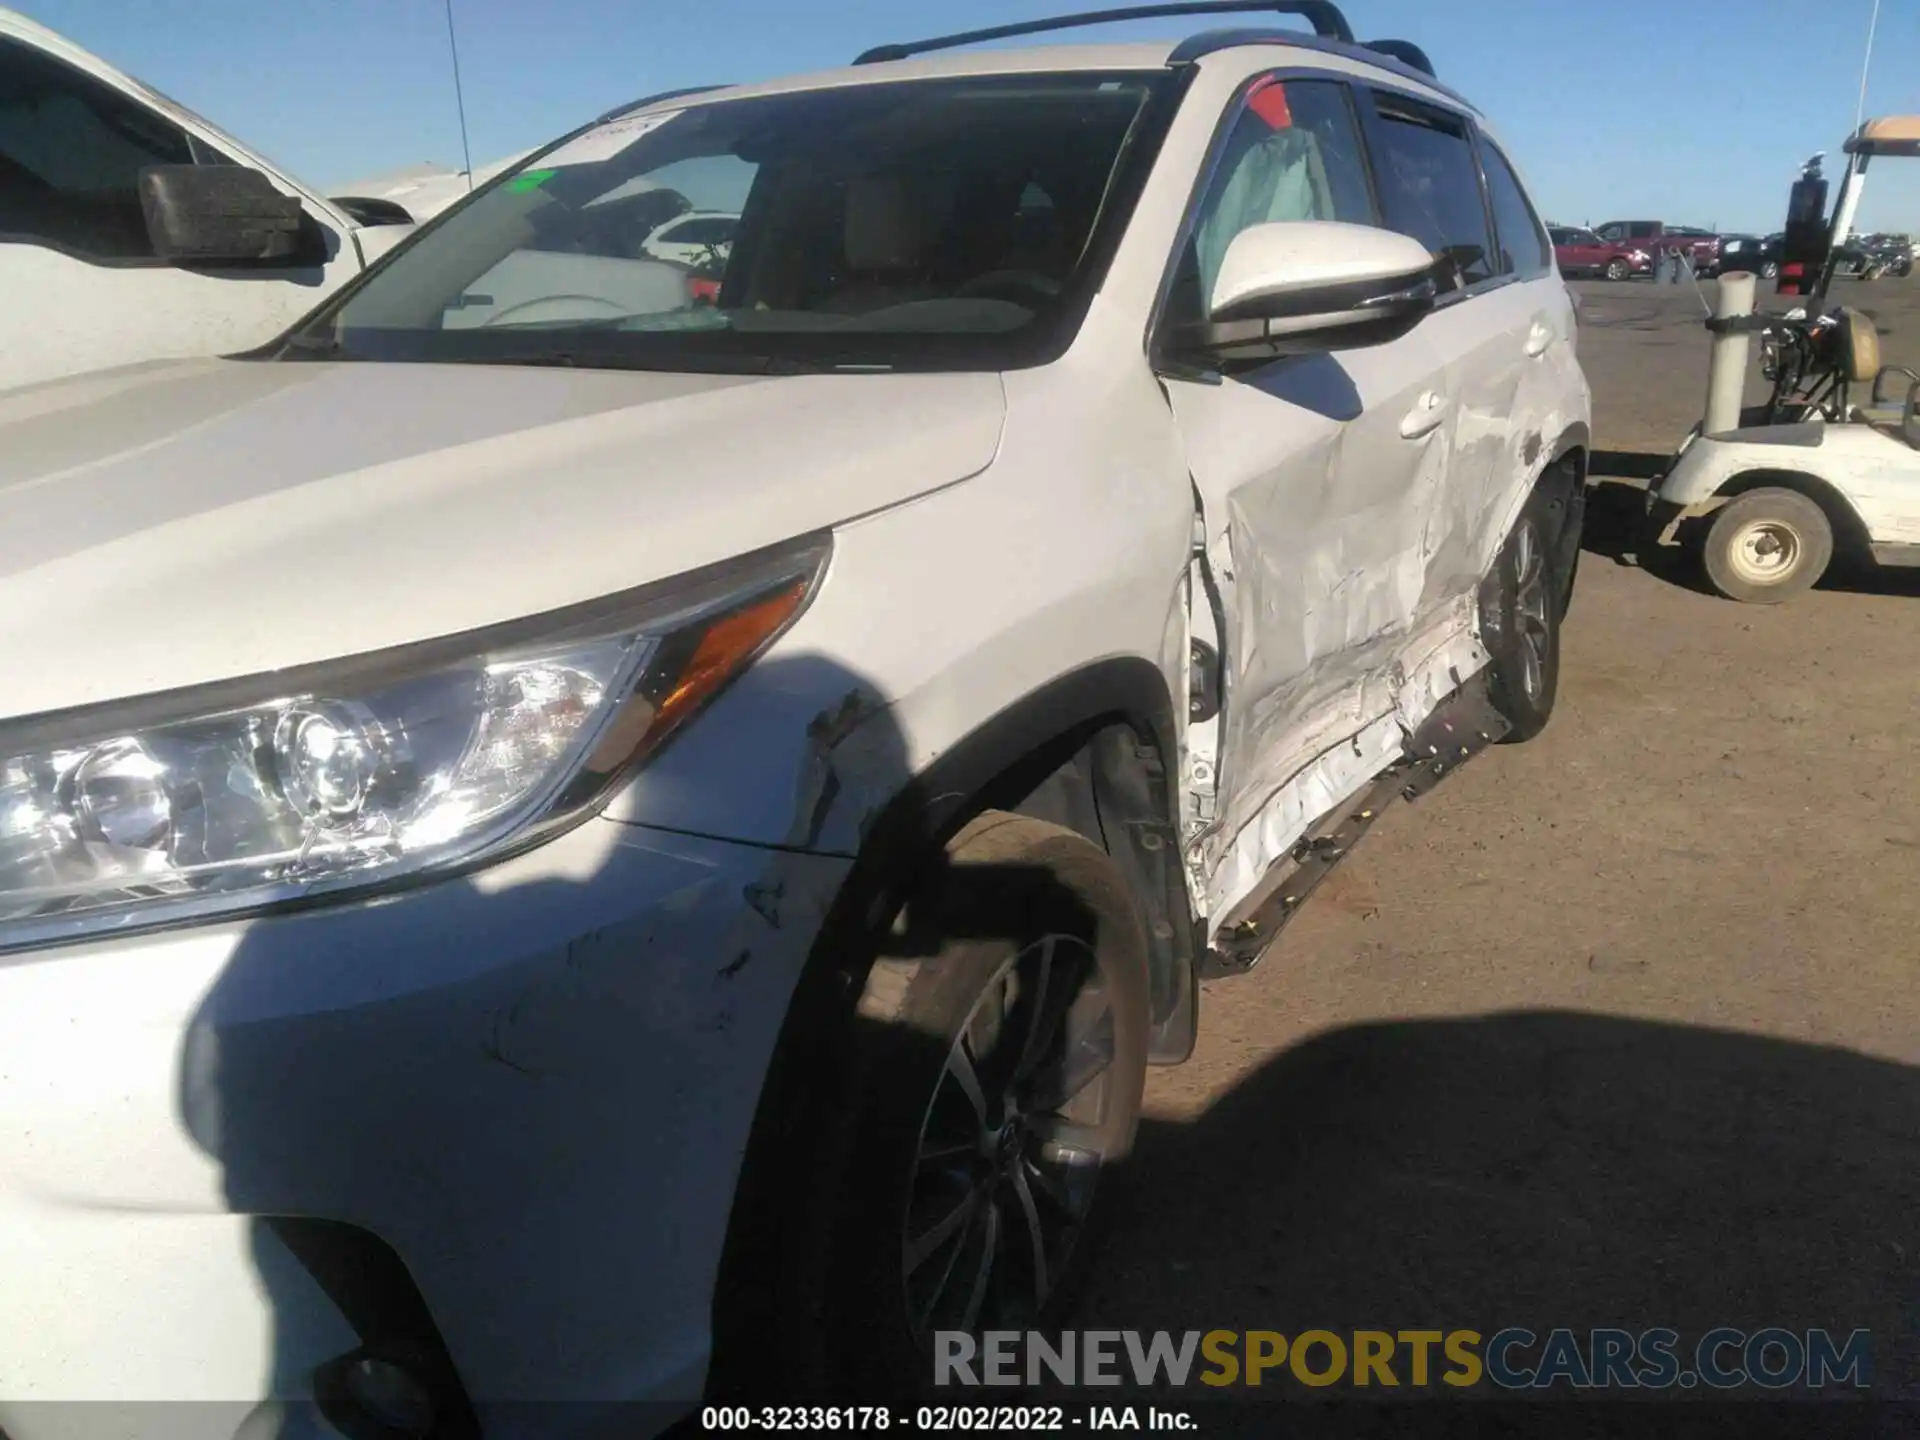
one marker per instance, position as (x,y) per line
(1521,604)
(1003,1076)
(1767,546)
(1770,270)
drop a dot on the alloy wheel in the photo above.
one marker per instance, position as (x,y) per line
(1532,617)
(1011,1144)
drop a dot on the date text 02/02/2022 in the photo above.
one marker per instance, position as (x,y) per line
(942,1419)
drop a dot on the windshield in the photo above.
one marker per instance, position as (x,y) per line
(934,223)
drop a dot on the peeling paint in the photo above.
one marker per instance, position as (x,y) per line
(820,785)
(764,896)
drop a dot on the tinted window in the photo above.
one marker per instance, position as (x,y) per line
(71,151)
(1523,250)
(1294,153)
(1614,233)
(1432,186)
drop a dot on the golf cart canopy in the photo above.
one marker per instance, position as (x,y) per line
(1890,135)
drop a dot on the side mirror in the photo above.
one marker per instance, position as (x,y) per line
(1294,287)
(214,214)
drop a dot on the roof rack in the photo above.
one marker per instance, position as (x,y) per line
(1323,15)
(1402,56)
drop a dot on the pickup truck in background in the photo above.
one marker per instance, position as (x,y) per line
(1580,251)
(1658,239)
(131,229)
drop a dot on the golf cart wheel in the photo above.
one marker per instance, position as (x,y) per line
(1002,1085)
(1618,269)
(1521,605)
(1768,546)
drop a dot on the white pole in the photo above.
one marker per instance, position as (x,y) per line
(1866,65)
(460,99)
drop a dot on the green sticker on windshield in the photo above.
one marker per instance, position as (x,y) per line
(532,180)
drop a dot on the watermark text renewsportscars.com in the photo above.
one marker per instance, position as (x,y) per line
(1514,1358)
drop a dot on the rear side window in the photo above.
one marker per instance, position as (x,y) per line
(71,151)
(1524,250)
(1293,153)
(1431,185)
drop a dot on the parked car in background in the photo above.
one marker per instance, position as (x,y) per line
(695,238)
(1701,247)
(131,229)
(422,190)
(1757,254)
(1582,252)
(550,834)
(1868,257)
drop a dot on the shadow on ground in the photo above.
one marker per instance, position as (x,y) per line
(1539,1169)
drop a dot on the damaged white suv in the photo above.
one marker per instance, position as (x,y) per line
(577,813)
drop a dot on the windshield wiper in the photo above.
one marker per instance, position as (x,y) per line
(720,363)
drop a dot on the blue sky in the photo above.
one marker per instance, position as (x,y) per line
(1693,111)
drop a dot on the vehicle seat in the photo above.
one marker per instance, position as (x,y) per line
(1858,339)
(1884,413)
(888,233)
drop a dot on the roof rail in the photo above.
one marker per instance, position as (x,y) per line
(1323,15)
(1197,47)
(646,100)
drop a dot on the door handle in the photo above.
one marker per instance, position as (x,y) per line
(1539,338)
(1425,417)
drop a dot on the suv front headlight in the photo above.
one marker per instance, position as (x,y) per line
(354,774)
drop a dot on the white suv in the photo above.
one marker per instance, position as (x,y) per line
(545,825)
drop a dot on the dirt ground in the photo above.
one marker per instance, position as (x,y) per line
(1615,1028)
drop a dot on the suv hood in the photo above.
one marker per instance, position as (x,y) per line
(178,523)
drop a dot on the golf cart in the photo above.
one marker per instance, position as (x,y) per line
(1832,460)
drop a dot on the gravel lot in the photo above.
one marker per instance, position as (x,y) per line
(1616,1028)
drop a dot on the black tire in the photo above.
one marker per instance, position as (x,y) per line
(1770,270)
(1023,905)
(1767,546)
(1618,269)
(1521,605)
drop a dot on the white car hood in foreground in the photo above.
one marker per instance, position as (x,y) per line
(172,524)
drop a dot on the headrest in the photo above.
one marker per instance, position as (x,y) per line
(885,228)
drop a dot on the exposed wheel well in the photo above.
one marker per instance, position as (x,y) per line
(1849,530)
(1096,752)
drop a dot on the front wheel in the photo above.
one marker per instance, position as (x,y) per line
(1003,1080)
(1767,546)
(1521,604)
(1770,270)
(1618,270)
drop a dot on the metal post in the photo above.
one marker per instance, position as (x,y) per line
(1844,214)
(1727,371)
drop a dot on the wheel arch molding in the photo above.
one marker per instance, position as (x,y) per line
(1095,749)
